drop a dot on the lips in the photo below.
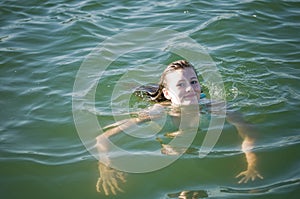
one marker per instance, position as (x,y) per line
(190,96)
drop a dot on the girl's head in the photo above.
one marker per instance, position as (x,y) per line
(179,84)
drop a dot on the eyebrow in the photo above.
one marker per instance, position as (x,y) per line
(183,80)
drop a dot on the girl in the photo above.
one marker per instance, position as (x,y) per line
(178,87)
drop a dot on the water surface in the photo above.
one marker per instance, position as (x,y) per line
(255,45)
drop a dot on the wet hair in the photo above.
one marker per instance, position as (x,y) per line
(155,91)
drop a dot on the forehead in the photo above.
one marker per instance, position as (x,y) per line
(181,74)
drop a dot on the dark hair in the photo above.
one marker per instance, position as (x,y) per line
(154,91)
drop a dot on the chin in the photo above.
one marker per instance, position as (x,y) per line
(193,102)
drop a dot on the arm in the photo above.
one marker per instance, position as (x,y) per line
(113,129)
(109,180)
(247,132)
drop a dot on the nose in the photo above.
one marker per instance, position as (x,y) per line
(188,88)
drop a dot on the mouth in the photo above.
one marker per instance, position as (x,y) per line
(190,97)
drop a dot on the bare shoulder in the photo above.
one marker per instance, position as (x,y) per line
(155,111)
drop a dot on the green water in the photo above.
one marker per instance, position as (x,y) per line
(254,44)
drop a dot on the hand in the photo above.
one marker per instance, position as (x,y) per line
(109,180)
(248,174)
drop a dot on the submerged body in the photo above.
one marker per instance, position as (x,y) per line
(180,87)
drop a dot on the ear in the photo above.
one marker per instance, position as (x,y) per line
(166,93)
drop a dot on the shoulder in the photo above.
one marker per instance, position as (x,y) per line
(152,112)
(156,110)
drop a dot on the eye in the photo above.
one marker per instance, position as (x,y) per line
(180,85)
(194,82)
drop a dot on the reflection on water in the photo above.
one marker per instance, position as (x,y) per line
(264,189)
(189,194)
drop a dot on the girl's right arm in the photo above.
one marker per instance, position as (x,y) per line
(109,179)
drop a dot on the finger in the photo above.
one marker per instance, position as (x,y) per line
(105,188)
(98,185)
(112,188)
(116,185)
(246,179)
(122,177)
(240,174)
(260,176)
(241,181)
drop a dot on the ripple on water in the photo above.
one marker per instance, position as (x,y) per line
(255,45)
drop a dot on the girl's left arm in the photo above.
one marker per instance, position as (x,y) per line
(248,133)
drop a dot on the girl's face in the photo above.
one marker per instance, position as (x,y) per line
(182,87)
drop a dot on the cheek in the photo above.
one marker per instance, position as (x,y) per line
(197,87)
(179,91)
(176,94)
